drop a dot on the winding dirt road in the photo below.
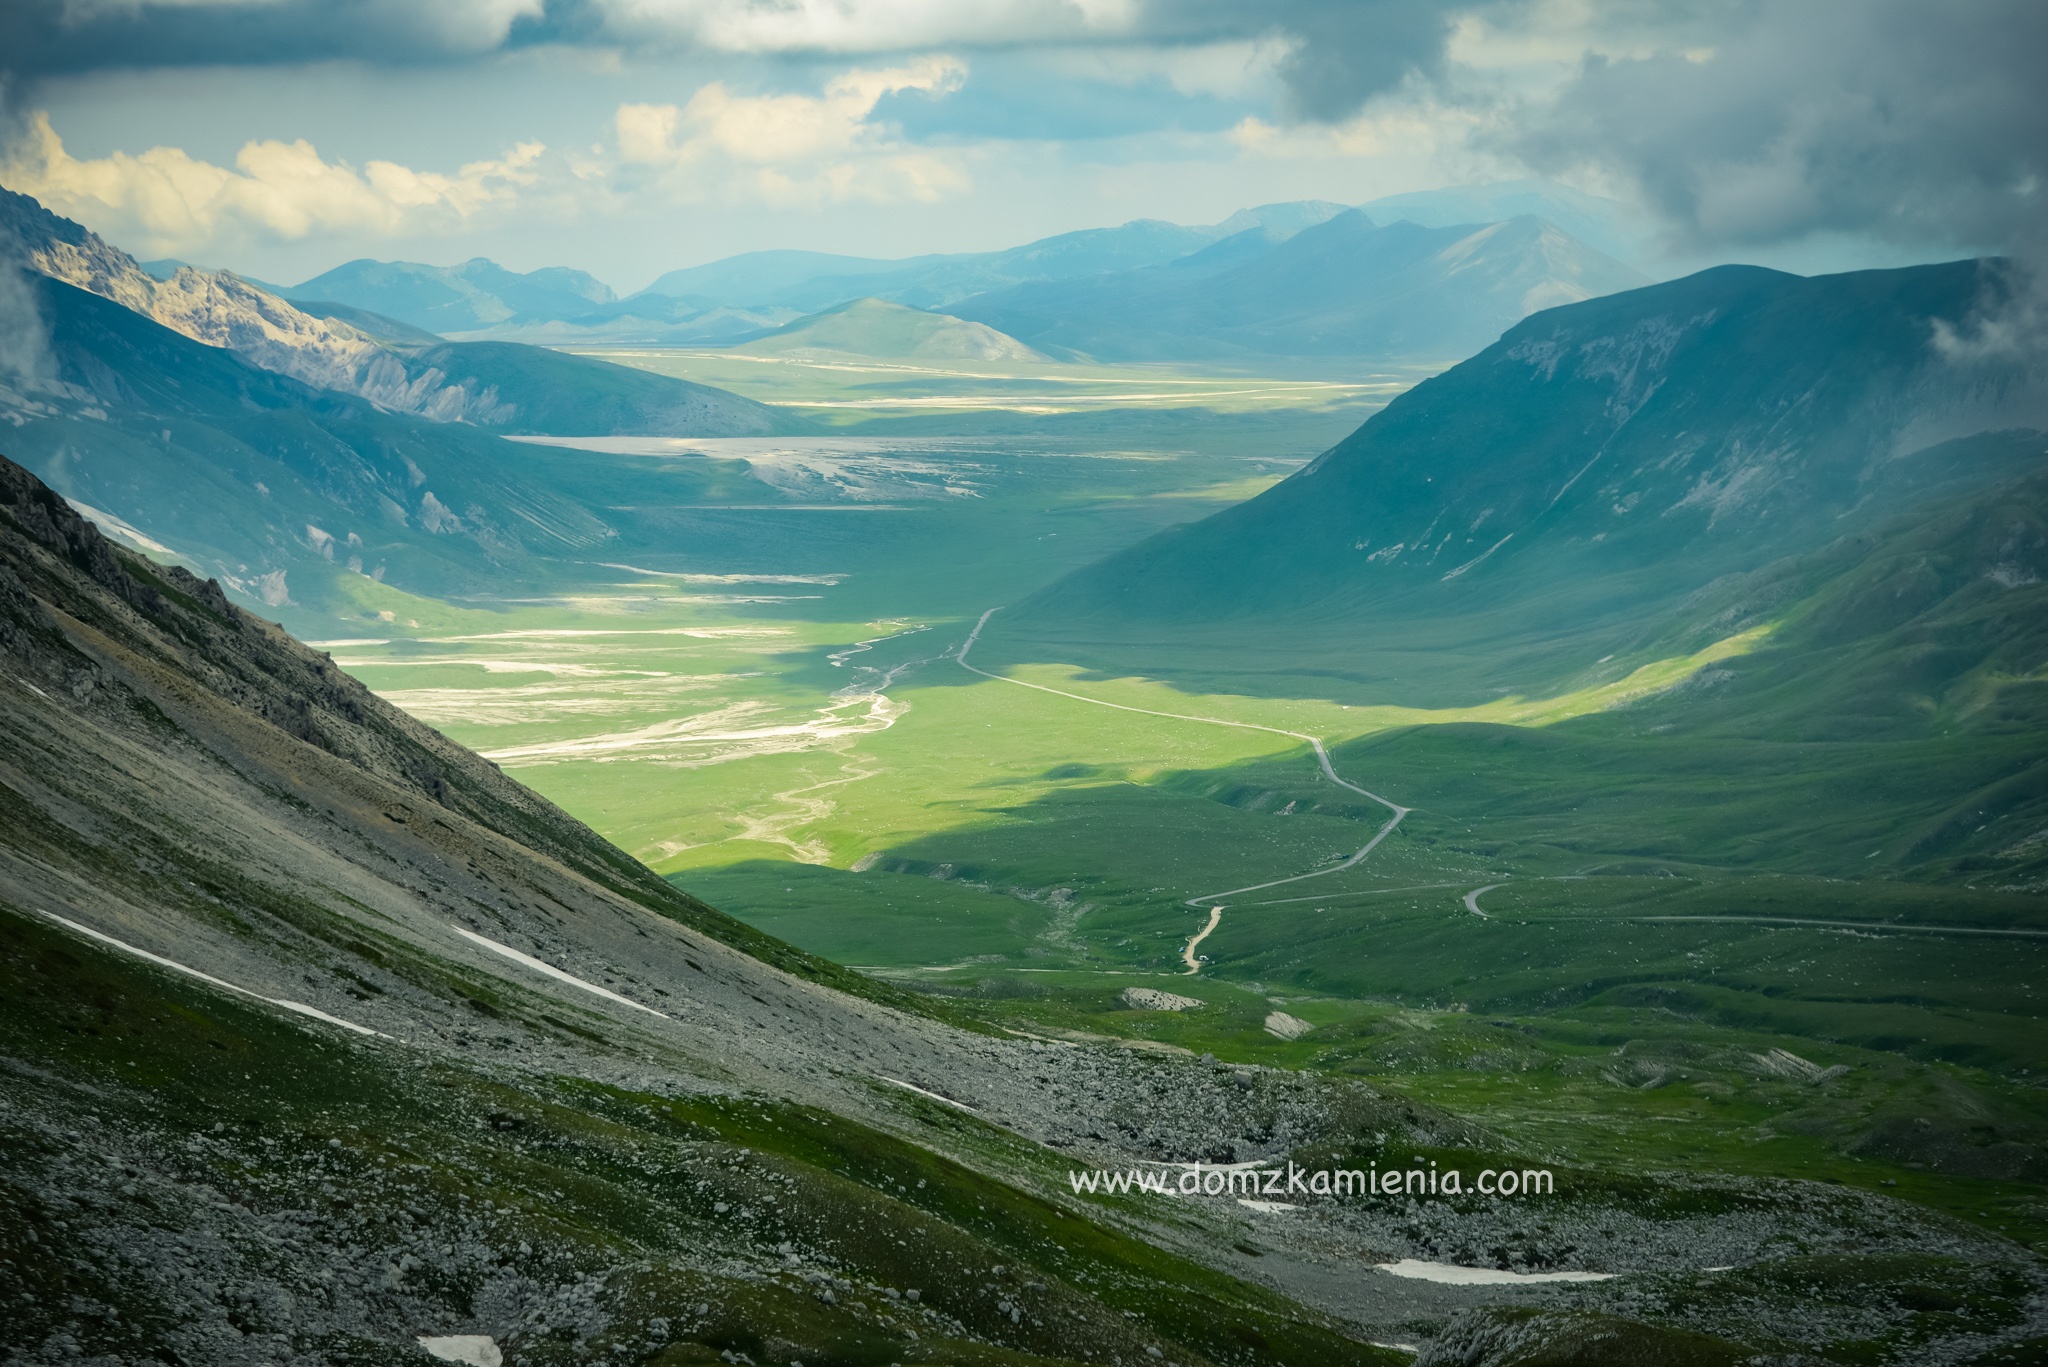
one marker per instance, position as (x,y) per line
(1214,900)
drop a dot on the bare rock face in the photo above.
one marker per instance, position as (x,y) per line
(1152,999)
(223,310)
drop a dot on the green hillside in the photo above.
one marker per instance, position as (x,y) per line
(278,488)
(1893,724)
(1529,511)
(877,328)
(527,389)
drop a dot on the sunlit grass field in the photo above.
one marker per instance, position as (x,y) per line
(843,390)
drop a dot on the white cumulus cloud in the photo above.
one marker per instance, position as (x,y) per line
(794,148)
(165,201)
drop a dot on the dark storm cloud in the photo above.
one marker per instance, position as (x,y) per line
(1751,123)
(1923,124)
(1344,51)
(45,38)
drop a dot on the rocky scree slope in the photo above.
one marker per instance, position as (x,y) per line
(457,1064)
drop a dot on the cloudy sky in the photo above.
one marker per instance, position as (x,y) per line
(629,137)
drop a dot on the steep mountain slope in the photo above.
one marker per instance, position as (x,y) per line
(323,1036)
(521,389)
(464,298)
(216,308)
(874,327)
(1344,287)
(1892,724)
(1612,451)
(383,1045)
(1733,458)
(525,389)
(277,487)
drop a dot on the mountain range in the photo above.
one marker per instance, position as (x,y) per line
(464,298)
(1145,290)
(328,1041)
(205,419)
(382,363)
(1344,287)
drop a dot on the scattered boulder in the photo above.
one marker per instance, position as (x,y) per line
(1285,1026)
(480,1350)
(1152,999)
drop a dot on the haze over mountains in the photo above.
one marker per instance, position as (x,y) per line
(1145,290)
(1345,287)
(465,298)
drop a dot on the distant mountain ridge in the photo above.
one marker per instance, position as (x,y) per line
(1344,287)
(218,309)
(380,361)
(1092,279)
(476,294)
(1602,224)
(282,491)
(814,281)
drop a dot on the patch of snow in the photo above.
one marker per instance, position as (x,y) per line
(121,531)
(1267,1207)
(479,1350)
(551,971)
(1450,1274)
(913,1087)
(300,1007)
